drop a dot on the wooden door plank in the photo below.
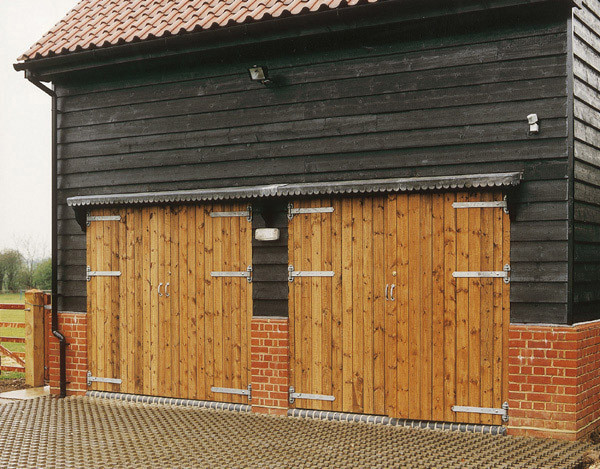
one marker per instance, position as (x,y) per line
(184,365)
(219,377)
(325,222)
(347,301)
(426,306)
(337,353)
(154,300)
(367,313)
(304,284)
(192,313)
(438,277)
(161,317)
(462,305)
(486,309)
(498,286)
(401,305)
(474,308)
(166,323)
(357,308)
(414,305)
(235,306)
(124,294)
(246,305)
(209,302)
(140,268)
(92,241)
(199,301)
(175,316)
(316,286)
(450,311)
(379,313)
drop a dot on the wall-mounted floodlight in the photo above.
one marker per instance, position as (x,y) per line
(259,73)
(534,126)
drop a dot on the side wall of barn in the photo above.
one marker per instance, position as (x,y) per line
(586,106)
(439,97)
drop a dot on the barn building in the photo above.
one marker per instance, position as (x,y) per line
(386,208)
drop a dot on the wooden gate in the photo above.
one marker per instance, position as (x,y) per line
(393,332)
(172,323)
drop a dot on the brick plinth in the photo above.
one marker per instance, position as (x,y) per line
(74,327)
(269,355)
(554,380)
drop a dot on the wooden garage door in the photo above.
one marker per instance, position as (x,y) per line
(414,351)
(166,326)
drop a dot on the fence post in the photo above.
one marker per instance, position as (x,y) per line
(34,338)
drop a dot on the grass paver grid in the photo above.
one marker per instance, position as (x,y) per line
(92,432)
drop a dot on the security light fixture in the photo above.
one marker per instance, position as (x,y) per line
(259,73)
(266,234)
(534,126)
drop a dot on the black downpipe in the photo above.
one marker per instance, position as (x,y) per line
(61,338)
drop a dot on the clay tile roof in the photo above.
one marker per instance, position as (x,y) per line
(103,23)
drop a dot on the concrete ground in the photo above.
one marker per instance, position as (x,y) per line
(91,432)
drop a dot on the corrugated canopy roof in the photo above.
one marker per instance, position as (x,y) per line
(304,189)
(103,23)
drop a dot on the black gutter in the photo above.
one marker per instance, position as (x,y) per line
(61,338)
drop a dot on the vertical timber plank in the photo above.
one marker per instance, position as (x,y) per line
(450,312)
(438,307)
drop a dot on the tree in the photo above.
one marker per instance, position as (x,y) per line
(11,263)
(42,275)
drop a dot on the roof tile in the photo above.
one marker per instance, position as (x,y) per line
(103,23)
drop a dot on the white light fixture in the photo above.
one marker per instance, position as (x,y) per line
(534,126)
(259,73)
(266,234)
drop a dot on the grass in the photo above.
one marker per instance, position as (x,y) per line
(12,315)
(11,375)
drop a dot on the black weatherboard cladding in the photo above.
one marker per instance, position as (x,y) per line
(586,89)
(429,98)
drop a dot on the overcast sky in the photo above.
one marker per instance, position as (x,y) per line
(25,118)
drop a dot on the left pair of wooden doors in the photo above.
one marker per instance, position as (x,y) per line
(160,318)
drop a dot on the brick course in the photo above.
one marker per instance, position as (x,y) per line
(554,380)
(73,326)
(269,350)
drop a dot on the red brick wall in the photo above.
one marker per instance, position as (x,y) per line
(269,361)
(74,327)
(554,380)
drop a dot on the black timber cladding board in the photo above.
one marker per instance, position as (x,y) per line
(432,100)
(586,110)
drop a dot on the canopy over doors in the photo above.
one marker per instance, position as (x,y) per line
(385,319)
(170,308)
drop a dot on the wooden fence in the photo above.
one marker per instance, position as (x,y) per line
(18,357)
(8,338)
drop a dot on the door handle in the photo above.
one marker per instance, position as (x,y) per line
(167,290)
(387,286)
(159,293)
(392,292)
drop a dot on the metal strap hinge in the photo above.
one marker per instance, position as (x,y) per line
(485,274)
(101,273)
(297,211)
(247,213)
(484,204)
(308,273)
(240,392)
(293,395)
(91,218)
(247,273)
(484,410)
(91,379)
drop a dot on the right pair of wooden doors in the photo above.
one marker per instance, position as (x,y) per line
(378,322)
